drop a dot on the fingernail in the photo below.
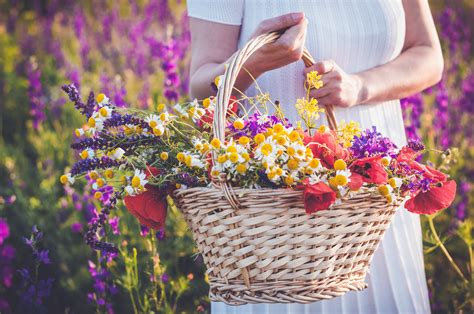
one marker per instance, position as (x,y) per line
(297,16)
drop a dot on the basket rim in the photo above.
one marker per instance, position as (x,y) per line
(361,195)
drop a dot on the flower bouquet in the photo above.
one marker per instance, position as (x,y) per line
(281,212)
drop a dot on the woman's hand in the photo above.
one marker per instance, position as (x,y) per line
(287,49)
(339,88)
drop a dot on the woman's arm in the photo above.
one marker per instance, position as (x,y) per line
(214,43)
(420,65)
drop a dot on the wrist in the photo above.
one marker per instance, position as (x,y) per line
(362,90)
(254,66)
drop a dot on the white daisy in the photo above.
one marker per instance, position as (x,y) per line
(96,123)
(67,178)
(102,99)
(316,178)
(116,154)
(139,180)
(152,120)
(105,112)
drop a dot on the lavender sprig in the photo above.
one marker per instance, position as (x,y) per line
(89,164)
(127,143)
(73,94)
(118,120)
(97,225)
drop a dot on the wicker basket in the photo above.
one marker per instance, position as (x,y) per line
(260,246)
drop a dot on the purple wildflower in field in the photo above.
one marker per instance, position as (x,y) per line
(76,227)
(412,109)
(4,230)
(114,224)
(35,93)
(144,230)
(102,285)
(35,290)
(372,143)
(7,253)
(160,234)
(462,206)
(441,121)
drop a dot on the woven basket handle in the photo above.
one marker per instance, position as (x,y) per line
(232,71)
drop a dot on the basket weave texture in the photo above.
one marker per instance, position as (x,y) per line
(260,246)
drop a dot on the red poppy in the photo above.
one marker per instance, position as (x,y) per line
(369,170)
(318,197)
(150,206)
(356,181)
(407,155)
(437,198)
(325,147)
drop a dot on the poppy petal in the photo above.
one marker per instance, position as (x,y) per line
(435,199)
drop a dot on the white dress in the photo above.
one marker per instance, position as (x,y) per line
(358,35)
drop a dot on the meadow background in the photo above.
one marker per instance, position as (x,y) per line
(137,52)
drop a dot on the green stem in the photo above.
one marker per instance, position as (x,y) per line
(135,310)
(445,251)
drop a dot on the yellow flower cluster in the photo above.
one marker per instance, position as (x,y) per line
(313,80)
(347,132)
(309,111)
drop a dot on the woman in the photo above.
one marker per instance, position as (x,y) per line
(371,53)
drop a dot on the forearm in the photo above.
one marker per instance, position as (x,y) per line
(201,80)
(414,70)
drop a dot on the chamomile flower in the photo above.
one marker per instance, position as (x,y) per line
(98,184)
(159,129)
(105,112)
(296,150)
(395,182)
(387,191)
(317,177)
(79,132)
(67,178)
(218,80)
(209,103)
(262,119)
(102,99)
(87,153)
(386,160)
(153,120)
(96,123)
(342,177)
(196,113)
(116,154)
(180,110)
(268,148)
(193,161)
(274,174)
(291,178)
(164,117)
(139,180)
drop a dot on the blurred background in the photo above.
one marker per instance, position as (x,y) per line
(137,52)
